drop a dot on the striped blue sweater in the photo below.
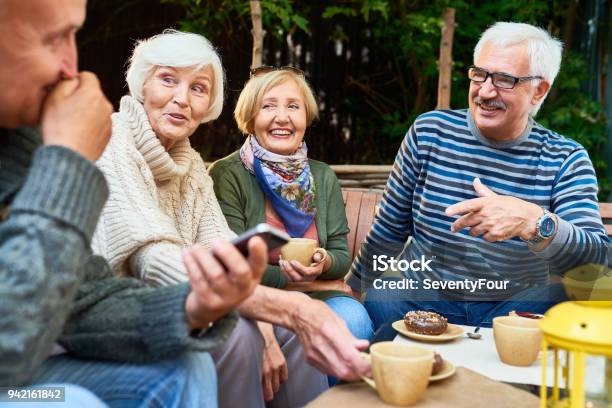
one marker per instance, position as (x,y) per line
(435,167)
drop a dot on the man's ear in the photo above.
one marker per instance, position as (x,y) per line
(540,92)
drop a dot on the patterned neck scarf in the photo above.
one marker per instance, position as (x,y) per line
(286,181)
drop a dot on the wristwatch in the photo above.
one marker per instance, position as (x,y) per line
(546,226)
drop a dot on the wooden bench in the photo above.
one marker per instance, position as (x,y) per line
(606,215)
(361,207)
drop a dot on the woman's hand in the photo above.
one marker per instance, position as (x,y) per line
(274,371)
(221,278)
(326,340)
(296,272)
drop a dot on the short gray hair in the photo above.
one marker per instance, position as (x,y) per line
(176,49)
(543,49)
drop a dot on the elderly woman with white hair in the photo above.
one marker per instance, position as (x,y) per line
(162,199)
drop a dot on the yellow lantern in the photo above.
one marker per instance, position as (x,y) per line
(579,329)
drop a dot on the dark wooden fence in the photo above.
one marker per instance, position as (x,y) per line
(339,73)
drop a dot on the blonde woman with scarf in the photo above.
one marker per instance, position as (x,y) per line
(271,179)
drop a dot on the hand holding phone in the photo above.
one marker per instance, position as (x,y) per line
(221,278)
(273,237)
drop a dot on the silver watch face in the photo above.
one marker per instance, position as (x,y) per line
(547,226)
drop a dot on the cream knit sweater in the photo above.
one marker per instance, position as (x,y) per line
(160,202)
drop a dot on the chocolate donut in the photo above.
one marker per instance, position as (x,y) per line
(422,322)
(438,364)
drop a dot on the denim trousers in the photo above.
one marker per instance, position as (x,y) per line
(384,309)
(356,318)
(354,315)
(188,380)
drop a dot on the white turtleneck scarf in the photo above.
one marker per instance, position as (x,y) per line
(160,201)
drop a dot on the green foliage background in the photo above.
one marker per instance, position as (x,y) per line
(407,34)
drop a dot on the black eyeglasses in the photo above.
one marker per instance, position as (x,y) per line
(264,69)
(499,79)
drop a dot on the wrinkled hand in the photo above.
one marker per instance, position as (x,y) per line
(77,115)
(274,370)
(327,342)
(495,217)
(296,272)
(221,278)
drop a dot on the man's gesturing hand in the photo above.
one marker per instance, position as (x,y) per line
(495,217)
(77,115)
(221,279)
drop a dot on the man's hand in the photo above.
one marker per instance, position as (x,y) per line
(77,115)
(221,279)
(327,342)
(495,217)
(274,370)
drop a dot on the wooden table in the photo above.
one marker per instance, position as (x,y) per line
(465,389)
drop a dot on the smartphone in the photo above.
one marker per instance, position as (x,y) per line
(273,237)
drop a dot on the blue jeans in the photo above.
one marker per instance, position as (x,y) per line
(384,311)
(354,314)
(356,318)
(188,380)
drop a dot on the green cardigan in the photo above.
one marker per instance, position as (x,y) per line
(243,204)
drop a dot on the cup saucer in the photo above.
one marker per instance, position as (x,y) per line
(447,370)
(452,332)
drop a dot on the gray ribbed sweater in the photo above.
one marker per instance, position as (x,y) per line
(53,289)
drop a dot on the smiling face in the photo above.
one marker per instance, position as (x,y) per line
(502,114)
(176,100)
(37,49)
(281,121)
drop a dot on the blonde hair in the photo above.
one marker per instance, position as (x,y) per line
(249,101)
(176,49)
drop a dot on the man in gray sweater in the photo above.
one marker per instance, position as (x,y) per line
(54,123)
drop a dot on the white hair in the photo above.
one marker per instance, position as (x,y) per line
(176,49)
(543,49)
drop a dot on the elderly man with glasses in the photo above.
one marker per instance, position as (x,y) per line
(494,204)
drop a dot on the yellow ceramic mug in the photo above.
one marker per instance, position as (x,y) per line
(517,339)
(401,372)
(302,250)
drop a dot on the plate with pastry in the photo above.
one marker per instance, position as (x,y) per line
(441,368)
(427,326)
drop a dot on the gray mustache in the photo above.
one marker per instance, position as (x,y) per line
(490,103)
